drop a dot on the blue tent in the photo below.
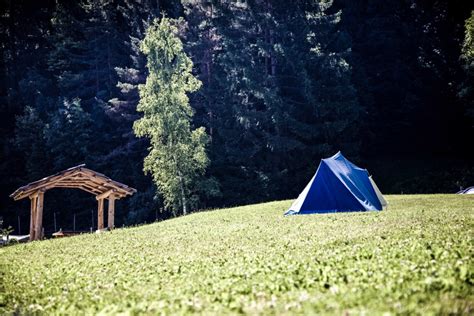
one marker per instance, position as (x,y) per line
(469,190)
(338,186)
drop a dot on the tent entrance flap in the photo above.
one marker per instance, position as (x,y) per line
(379,194)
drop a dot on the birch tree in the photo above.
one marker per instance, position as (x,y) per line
(177,153)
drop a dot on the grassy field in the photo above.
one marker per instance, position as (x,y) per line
(416,257)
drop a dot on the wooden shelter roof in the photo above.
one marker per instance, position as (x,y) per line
(78,177)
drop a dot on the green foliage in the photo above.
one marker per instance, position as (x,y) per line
(4,231)
(271,104)
(468,45)
(29,139)
(177,153)
(68,135)
(467,56)
(414,258)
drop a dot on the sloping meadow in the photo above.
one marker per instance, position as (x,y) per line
(415,257)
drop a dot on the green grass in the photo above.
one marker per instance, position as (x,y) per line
(416,257)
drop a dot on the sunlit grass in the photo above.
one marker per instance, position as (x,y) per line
(416,257)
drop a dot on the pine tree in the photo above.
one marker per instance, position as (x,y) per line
(337,110)
(226,39)
(88,42)
(88,45)
(273,105)
(30,141)
(122,111)
(26,90)
(68,135)
(177,154)
(467,57)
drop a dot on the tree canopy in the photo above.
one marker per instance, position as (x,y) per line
(177,153)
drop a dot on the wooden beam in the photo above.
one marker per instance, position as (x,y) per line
(76,182)
(107,181)
(74,176)
(34,194)
(41,184)
(87,189)
(64,183)
(100,214)
(32,217)
(39,216)
(111,215)
(98,183)
(79,186)
(73,186)
(46,183)
(105,194)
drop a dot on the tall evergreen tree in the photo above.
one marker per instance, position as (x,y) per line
(30,140)
(68,134)
(122,111)
(89,43)
(177,153)
(337,109)
(467,57)
(122,108)
(272,105)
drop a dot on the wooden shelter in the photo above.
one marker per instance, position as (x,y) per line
(78,177)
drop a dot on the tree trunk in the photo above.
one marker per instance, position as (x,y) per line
(183,196)
(272,57)
(109,67)
(209,53)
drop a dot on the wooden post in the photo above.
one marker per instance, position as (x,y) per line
(111,211)
(39,216)
(100,214)
(32,217)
